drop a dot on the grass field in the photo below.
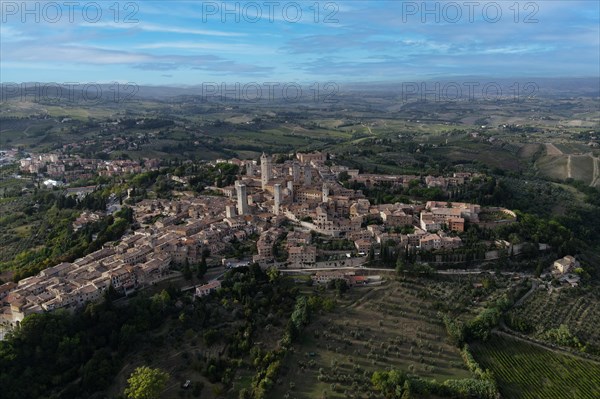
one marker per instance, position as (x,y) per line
(573,148)
(473,152)
(554,166)
(525,371)
(529,150)
(372,329)
(580,167)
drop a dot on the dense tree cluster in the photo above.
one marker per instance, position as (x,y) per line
(396,384)
(65,355)
(146,383)
(63,244)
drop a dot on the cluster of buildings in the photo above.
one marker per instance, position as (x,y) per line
(86,218)
(138,260)
(452,215)
(8,156)
(266,198)
(206,219)
(70,168)
(180,235)
(307,191)
(444,182)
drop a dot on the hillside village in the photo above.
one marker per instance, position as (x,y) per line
(284,206)
(62,168)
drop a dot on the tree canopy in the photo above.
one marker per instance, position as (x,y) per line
(146,383)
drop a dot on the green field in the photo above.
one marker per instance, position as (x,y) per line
(573,148)
(580,167)
(465,151)
(554,166)
(371,329)
(525,371)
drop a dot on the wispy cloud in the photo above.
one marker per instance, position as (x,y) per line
(10,34)
(150,27)
(239,48)
(371,41)
(82,55)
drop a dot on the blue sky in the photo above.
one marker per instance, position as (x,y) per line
(192,42)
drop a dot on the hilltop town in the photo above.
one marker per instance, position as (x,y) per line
(286,254)
(285,207)
(300,200)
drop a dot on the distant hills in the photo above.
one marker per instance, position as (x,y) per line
(445,88)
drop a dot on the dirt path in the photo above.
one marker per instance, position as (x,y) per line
(596,176)
(569,167)
(368,128)
(359,302)
(534,286)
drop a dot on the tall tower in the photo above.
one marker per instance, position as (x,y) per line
(307,175)
(230,211)
(276,198)
(249,168)
(295,172)
(242,198)
(266,170)
(290,187)
(325,193)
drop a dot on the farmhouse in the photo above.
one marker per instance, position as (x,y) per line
(564,265)
(327,276)
(206,289)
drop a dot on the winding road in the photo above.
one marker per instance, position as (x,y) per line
(534,285)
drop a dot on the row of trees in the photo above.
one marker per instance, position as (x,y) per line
(396,384)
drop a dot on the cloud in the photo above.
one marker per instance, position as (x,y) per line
(239,48)
(72,54)
(10,34)
(149,27)
(370,41)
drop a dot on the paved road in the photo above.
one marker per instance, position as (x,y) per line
(444,272)
(534,286)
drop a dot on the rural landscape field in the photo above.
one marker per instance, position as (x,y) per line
(300,199)
(439,323)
